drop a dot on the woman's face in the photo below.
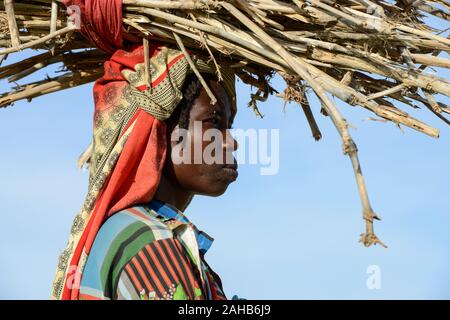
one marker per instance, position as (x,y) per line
(202,162)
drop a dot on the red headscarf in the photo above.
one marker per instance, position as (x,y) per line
(137,172)
(100,21)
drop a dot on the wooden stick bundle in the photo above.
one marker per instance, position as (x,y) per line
(368,53)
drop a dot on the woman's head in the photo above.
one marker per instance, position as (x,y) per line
(199,155)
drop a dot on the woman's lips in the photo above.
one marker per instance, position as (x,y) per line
(231,165)
(231,170)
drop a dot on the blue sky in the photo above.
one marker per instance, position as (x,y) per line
(293,235)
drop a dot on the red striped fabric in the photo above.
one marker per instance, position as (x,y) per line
(160,266)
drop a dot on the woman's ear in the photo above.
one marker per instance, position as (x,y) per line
(170,129)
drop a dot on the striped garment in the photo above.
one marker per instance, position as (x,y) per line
(150,252)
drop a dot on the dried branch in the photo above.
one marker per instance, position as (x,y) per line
(363,52)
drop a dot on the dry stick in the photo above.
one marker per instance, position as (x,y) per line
(349,19)
(421,33)
(19,75)
(25,68)
(24,64)
(350,149)
(3,57)
(53,20)
(304,103)
(181,5)
(202,37)
(44,87)
(39,41)
(386,92)
(373,84)
(296,92)
(152,33)
(416,42)
(260,19)
(13,30)
(29,90)
(136,26)
(444,3)
(347,78)
(259,12)
(7,43)
(381,26)
(272,23)
(352,96)
(407,58)
(433,104)
(281,9)
(410,78)
(243,5)
(12,68)
(194,68)
(434,11)
(340,123)
(85,156)
(378,10)
(428,60)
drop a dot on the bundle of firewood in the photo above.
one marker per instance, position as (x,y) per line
(379,55)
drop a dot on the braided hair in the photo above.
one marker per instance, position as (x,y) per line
(191,90)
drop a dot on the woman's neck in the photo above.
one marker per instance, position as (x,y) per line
(173,194)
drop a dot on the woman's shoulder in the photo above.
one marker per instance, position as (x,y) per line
(119,239)
(132,223)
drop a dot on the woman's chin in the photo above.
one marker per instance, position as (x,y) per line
(216,188)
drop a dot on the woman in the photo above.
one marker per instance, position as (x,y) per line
(131,239)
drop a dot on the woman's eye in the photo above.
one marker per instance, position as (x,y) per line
(216,122)
(213,120)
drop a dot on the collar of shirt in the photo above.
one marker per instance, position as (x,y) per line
(169,212)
